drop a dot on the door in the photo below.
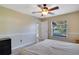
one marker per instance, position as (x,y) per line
(44,30)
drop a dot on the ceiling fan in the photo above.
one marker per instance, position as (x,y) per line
(45,10)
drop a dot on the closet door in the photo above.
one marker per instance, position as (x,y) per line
(44,30)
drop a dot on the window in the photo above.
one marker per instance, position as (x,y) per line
(59,28)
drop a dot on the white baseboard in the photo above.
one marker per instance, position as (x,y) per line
(23,45)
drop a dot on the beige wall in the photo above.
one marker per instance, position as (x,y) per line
(12,21)
(72,22)
(18,27)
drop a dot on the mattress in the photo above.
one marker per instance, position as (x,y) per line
(51,47)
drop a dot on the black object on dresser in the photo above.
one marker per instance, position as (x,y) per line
(5,46)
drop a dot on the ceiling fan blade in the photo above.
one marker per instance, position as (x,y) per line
(54,8)
(40,6)
(51,13)
(36,12)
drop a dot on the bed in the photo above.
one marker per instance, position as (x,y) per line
(51,47)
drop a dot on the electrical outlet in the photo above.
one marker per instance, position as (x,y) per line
(21,41)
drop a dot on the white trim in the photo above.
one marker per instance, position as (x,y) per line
(8,34)
(74,33)
(23,45)
(14,34)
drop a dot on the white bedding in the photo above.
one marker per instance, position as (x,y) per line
(51,47)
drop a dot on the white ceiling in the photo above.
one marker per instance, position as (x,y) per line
(29,8)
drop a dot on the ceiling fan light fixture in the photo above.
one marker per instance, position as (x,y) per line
(45,11)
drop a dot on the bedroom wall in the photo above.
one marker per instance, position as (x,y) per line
(73,25)
(21,28)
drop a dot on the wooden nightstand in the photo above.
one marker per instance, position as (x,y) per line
(77,41)
(5,46)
